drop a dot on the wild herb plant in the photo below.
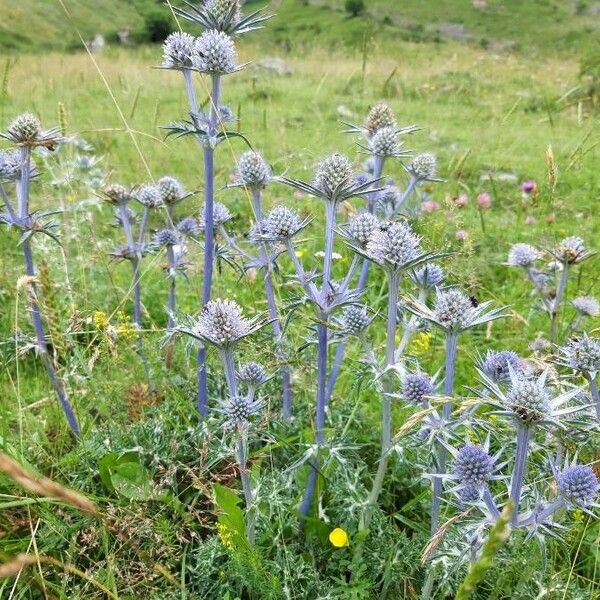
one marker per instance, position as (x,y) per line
(17,169)
(213,55)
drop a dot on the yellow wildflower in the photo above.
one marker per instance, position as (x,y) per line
(224,535)
(420,344)
(100,320)
(339,538)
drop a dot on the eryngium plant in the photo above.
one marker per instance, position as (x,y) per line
(16,168)
(212,54)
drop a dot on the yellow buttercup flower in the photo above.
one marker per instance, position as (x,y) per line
(339,538)
(100,320)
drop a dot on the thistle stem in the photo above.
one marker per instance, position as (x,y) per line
(274,314)
(490,503)
(172,299)
(309,286)
(436,501)
(330,210)
(242,458)
(411,327)
(595,394)
(229,368)
(36,317)
(516,485)
(143,225)
(209,231)
(320,416)
(560,292)
(386,413)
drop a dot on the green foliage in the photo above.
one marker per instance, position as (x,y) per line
(354,7)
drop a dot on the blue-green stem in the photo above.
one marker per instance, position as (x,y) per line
(209,232)
(560,292)
(516,485)
(284,369)
(57,384)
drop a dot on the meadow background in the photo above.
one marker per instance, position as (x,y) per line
(505,91)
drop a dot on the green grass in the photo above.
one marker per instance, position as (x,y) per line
(480,112)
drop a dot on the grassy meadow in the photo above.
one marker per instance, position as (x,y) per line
(494,119)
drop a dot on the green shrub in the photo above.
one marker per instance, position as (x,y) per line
(355,7)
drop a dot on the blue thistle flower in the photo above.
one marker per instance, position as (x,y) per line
(253,171)
(252,373)
(189,227)
(165,237)
(394,246)
(424,167)
(380,116)
(416,387)
(117,194)
(214,52)
(171,190)
(386,142)
(239,410)
(281,223)
(571,251)
(355,319)
(178,49)
(149,196)
(473,466)
(578,485)
(522,255)
(583,354)
(429,276)
(587,306)
(221,215)
(361,227)
(496,364)
(10,165)
(333,173)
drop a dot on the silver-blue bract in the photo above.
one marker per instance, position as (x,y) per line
(178,49)
(253,171)
(578,485)
(214,53)
(523,255)
(473,466)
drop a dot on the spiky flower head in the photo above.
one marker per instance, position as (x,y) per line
(189,226)
(380,116)
(117,194)
(281,223)
(355,319)
(453,309)
(238,411)
(225,12)
(385,142)
(571,250)
(253,171)
(252,373)
(149,196)
(469,493)
(361,227)
(528,400)
(10,165)
(334,172)
(394,245)
(416,387)
(429,276)
(578,485)
(221,215)
(473,466)
(178,49)
(222,323)
(497,364)
(424,166)
(522,255)
(587,306)
(24,128)
(583,354)
(171,190)
(165,237)
(214,52)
